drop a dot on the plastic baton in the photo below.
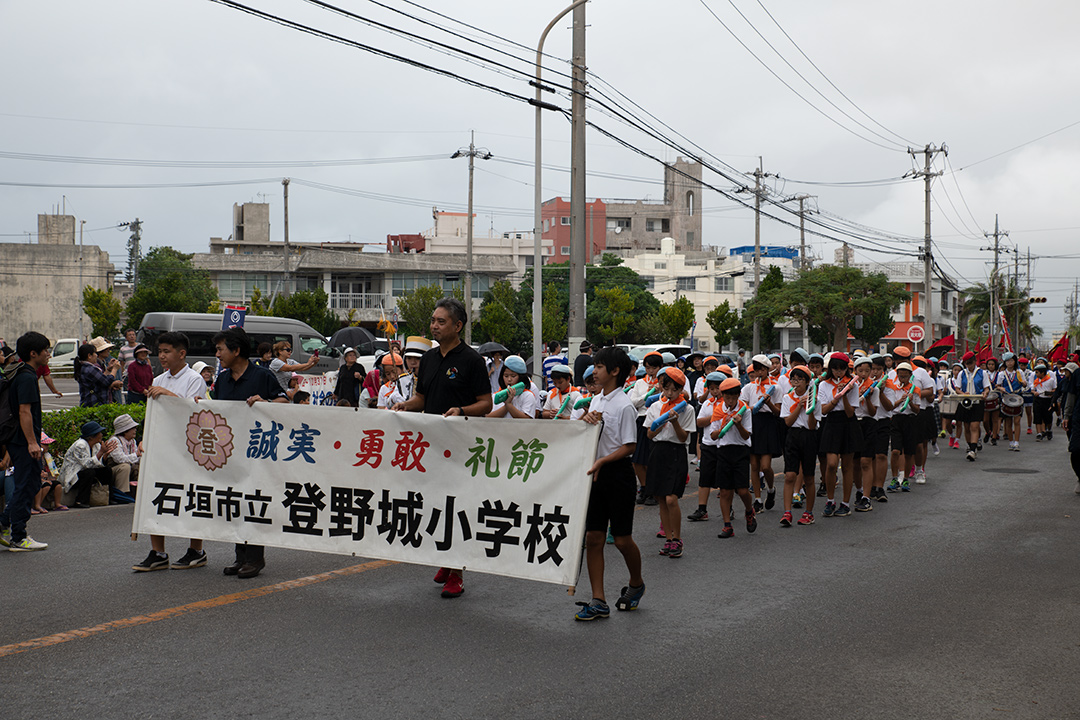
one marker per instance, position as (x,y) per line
(811,397)
(663,419)
(652,397)
(874,385)
(562,408)
(583,403)
(731,423)
(759,403)
(501,395)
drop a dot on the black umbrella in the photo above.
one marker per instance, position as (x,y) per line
(492,347)
(352,337)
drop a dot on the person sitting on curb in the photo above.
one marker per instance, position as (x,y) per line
(123,461)
(84,463)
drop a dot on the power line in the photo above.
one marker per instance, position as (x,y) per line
(228,164)
(140,186)
(1017,147)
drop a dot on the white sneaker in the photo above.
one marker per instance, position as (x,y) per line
(5,537)
(971,455)
(27,544)
(920,477)
(937,451)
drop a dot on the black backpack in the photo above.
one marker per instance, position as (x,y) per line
(9,417)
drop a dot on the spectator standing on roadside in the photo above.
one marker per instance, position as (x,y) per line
(582,361)
(95,385)
(126,354)
(453,381)
(24,448)
(140,376)
(109,365)
(283,367)
(176,380)
(350,375)
(554,357)
(241,380)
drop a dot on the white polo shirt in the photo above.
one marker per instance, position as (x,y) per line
(620,421)
(667,432)
(187,383)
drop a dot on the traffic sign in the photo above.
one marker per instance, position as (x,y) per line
(986,328)
(915,333)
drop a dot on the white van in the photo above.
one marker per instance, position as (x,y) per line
(200,329)
(64,352)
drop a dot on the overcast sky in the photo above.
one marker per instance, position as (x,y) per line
(195,81)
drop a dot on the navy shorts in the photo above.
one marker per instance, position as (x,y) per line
(612,499)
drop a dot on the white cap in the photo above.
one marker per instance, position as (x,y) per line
(905,366)
(762,359)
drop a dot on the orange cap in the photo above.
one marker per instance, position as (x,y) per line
(902,351)
(676,375)
(730,384)
(391,359)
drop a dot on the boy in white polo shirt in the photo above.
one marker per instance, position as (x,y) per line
(177,380)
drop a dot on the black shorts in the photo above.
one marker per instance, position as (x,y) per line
(800,452)
(1043,413)
(667,471)
(878,444)
(841,435)
(905,433)
(707,468)
(612,499)
(644,444)
(928,424)
(766,437)
(733,467)
(867,428)
(973,414)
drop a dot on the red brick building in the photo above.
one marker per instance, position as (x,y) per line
(555,214)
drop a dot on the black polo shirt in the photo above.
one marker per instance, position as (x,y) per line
(452,381)
(255,381)
(24,391)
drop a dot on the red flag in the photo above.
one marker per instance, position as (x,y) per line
(984,352)
(941,348)
(1060,350)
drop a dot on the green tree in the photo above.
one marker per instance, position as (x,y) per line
(608,274)
(831,296)
(497,321)
(168,282)
(678,317)
(651,329)
(975,311)
(760,309)
(723,321)
(258,305)
(613,310)
(103,309)
(874,326)
(308,306)
(553,314)
(416,306)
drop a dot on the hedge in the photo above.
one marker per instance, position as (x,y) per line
(63,425)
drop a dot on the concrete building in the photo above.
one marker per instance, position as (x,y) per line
(449,236)
(41,287)
(627,227)
(912,276)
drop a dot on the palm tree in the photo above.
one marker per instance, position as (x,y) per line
(1013,301)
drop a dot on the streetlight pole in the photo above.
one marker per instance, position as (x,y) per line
(538,223)
(82,310)
(472,154)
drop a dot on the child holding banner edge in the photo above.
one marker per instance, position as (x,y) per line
(614,485)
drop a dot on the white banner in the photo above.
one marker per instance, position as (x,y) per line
(321,388)
(491,495)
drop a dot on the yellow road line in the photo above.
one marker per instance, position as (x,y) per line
(219,601)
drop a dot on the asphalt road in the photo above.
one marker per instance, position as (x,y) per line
(957,600)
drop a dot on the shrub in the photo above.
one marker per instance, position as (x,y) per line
(63,425)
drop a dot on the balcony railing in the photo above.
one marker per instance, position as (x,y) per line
(362,301)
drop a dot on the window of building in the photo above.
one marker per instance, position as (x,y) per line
(660,266)
(528,260)
(564,250)
(689,239)
(614,223)
(518,236)
(690,203)
(658,225)
(650,281)
(724,284)
(686,284)
(564,221)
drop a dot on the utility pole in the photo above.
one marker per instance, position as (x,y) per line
(1029,283)
(995,299)
(133,249)
(928,153)
(802,257)
(847,249)
(472,153)
(576,323)
(82,224)
(287,276)
(758,174)
(1016,289)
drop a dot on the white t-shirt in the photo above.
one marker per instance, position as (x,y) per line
(922,378)
(788,404)
(827,390)
(898,395)
(732,436)
(187,383)
(685,418)
(282,376)
(620,421)
(706,412)
(391,393)
(637,395)
(1045,386)
(525,401)
(555,400)
(753,392)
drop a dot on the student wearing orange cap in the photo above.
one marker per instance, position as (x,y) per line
(733,453)
(391,391)
(707,446)
(666,476)
(801,447)
(645,386)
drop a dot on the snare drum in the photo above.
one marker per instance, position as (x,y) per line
(949,403)
(1012,405)
(993,399)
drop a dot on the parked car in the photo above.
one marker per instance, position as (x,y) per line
(200,329)
(639,351)
(64,352)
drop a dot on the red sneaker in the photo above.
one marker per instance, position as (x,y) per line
(1029,431)
(442,576)
(454,587)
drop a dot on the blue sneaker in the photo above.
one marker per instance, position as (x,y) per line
(904,487)
(830,509)
(843,511)
(630,598)
(595,610)
(893,486)
(610,537)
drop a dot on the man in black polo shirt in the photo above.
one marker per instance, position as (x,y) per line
(247,382)
(452,381)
